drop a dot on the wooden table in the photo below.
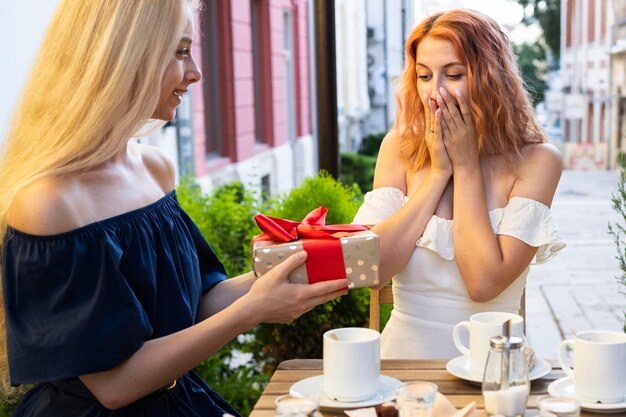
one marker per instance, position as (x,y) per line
(458,391)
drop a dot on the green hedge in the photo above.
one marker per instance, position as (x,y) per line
(358,169)
(371,143)
(225,218)
(302,338)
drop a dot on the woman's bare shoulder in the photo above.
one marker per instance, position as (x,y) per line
(542,152)
(159,165)
(45,207)
(539,172)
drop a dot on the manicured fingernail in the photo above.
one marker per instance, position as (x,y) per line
(439,98)
(457,92)
(302,255)
(438,112)
(443,91)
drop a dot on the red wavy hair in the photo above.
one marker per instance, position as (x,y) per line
(500,106)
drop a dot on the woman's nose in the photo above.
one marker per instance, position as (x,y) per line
(193,73)
(438,83)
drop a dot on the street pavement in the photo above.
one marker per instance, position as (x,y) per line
(577,290)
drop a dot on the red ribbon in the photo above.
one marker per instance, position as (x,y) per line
(325,256)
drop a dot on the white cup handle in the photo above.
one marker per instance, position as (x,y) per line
(457,340)
(563,358)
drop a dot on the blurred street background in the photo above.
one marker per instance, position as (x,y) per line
(577,289)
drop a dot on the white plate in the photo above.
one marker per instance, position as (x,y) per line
(314,387)
(564,387)
(460,367)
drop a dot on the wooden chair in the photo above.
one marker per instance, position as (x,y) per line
(385,296)
(378,297)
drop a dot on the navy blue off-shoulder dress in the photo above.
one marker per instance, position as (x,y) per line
(84,301)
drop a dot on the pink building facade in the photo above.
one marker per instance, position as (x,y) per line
(252,110)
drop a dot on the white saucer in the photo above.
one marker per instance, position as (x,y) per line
(564,387)
(460,367)
(314,387)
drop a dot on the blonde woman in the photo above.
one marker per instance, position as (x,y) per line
(111,294)
(462,187)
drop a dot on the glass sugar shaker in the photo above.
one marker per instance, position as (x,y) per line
(505,382)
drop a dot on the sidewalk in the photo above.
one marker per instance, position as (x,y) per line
(577,290)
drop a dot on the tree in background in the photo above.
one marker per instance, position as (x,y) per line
(535,60)
(547,13)
(531,59)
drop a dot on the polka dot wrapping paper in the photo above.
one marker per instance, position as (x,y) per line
(355,257)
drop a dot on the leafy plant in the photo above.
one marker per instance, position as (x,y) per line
(9,400)
(617,230)
(371,143)
(531,60)
(240,384)
(358,169)
(225,218)
(548,14)
(302,338)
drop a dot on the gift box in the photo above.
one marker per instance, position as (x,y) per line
(334,251)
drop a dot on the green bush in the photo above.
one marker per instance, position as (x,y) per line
(225,218)
(10,401)
(617,230)
(371,143)
(302,338)
(358,169)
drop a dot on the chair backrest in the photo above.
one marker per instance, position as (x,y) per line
(378,297)
(385,296)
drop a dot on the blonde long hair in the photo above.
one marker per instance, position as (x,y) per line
(500,106)
(95,81)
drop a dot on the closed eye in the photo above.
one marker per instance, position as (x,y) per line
(454,76)
(424,77)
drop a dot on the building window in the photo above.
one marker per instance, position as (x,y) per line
(261,61)
(211,80)
(290,83)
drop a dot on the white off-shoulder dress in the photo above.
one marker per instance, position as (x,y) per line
(430,297)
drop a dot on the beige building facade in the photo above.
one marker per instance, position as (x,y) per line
(585,41)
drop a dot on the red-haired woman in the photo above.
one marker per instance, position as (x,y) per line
(463,185)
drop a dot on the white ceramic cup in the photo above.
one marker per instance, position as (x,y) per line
(482,327)
(351,363)
(599,365)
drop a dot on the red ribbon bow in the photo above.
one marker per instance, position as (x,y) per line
(313,226)
(325,256)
